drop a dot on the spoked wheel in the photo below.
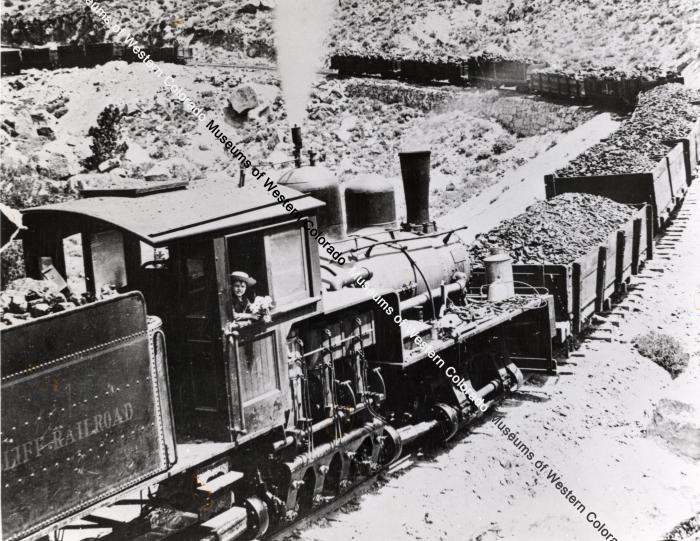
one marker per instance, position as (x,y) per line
(258,516)
(448,420)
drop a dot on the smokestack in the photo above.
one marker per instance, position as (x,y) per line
(415,172)
(296,140)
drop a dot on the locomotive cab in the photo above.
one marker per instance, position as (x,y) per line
(178,247)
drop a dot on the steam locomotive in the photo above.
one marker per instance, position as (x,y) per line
(239,429)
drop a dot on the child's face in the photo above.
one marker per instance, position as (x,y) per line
(239,288)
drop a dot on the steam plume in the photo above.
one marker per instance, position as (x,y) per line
(300,30)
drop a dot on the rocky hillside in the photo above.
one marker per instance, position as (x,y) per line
(620,33)
(355,127)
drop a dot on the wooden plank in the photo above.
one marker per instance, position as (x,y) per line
(621,241)
(589,281)
(636,244)
(650,232)
(134,191)
(663,191)
(600,278)
(610,266)
(677,173)
(576,297)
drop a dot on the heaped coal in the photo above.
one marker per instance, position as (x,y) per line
(663,114)
(606,158)
(558,231)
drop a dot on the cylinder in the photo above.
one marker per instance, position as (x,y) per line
(415,173)
(499,276)
(321,183)
(370,202)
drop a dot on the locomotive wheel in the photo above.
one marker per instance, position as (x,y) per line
(448,420)
(332,481)
(258,516)
(305,497)
(392,446)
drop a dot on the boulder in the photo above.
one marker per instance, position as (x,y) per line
(348,123)
(676,419)
(89,180)
(57,163)
(136,154)
(342,135)
(13,158)
(243,98)
(108,165)
(40,309)
(118,173)
(18,304)
(18,123)
(46,131)
(157,173)
(252,99)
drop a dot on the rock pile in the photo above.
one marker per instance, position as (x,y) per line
(557,231)
(27,298)
(423,98)
(663,114)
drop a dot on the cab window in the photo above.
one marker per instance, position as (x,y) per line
(108,262)
(287,269)
(277,259)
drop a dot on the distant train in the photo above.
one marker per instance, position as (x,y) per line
(492,71)
(87,55)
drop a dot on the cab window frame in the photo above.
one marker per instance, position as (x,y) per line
(262,236)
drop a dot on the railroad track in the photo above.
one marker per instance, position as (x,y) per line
(259,67)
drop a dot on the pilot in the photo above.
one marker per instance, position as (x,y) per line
(240,281)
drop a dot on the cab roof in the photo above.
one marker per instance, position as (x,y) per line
(159,218)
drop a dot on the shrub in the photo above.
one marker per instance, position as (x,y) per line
(106,137)
(12,263)
(503,144)
(664,350)
(23,187)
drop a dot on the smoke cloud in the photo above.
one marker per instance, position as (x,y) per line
(300,30)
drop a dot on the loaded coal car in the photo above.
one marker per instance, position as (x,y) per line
(349,65)
(645,161)
(493,70)
(11,61)
(39,58)
(101,53)
(429,71)
(276,406)
(580,248)
(70,56)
